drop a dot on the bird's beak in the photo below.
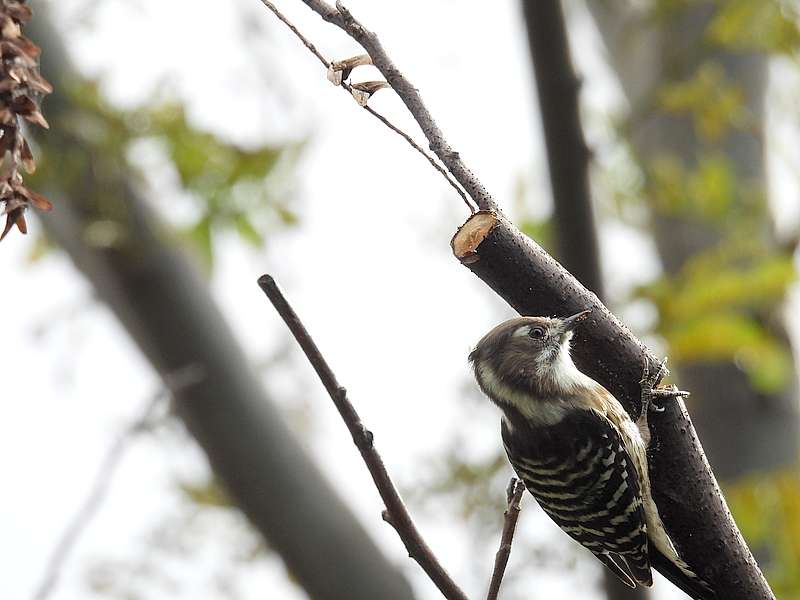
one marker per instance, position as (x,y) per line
(571,323)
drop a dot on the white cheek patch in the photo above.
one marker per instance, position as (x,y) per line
(522,331)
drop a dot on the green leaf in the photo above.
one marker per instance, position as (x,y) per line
(766,507)
(766,26)
(247,230)
(715,104)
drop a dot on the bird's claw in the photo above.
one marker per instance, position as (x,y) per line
(652,394)
(652,380)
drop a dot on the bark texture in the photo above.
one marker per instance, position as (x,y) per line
(689,500)
(557,88)
(568,160)
(744,430)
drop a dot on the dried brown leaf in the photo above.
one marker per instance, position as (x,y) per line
(38,83)
(18,11)
(8,27)
(363,91)
(22,225)
(40,202)
(7,84)
(26,157)
(13,51)
(37,118)
(15,217)
(8,138)
(12,204)
(9,224)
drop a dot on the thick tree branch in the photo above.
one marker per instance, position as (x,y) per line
(514,496)
(568,160)
(396,513)
(557,88)
(688,497)
(342,18)
(164,304)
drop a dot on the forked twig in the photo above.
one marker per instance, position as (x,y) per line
(313,49)
(410,96)
(396,513)
(514,496)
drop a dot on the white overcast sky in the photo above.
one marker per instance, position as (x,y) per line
(369,269)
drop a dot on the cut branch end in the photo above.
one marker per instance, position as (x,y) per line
(470,235)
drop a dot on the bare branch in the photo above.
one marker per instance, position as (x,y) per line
(313,49)
(687,494)
(534,283)
(94,499)
(342,18)
(396,512)
(568,156)
(514,496)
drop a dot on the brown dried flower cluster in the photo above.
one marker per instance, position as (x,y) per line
(21,90)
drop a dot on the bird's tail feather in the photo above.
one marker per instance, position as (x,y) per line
(683,578)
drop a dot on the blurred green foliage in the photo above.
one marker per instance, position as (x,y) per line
(231,189)
(766,26)
(723,304)
(714,103)
(767,510)
(718,305)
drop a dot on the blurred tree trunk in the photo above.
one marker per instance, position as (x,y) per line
(743,430)
(115,240)
(557,88)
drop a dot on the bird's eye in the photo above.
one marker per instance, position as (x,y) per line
(536,333)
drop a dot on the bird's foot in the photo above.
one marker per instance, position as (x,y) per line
(652,394)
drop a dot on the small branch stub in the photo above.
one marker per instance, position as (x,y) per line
(362,92)
(340,70)
(470,235)
(513,497)
(688,498)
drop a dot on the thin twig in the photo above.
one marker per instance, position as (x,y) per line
(419,149)
(308,44)
(514,495)
(410,96)
(102,481)
(93,500)
(346,86)
(396,512)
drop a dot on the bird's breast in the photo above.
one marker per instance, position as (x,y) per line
(516,399)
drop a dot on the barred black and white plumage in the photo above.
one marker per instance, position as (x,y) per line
(587,485)
(577,450)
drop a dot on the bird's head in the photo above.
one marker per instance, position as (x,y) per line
(525,350)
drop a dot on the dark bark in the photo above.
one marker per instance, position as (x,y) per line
(688,497)
(514,495)
(568,161)
(568,156)
(166,308)
(396,513)
(744,430)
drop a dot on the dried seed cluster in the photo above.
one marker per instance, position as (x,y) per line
(21,91)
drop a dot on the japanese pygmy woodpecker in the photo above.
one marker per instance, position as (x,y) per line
(577,450)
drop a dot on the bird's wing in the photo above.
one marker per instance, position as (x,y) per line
(588,485)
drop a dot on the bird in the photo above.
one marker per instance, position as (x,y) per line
(578,452)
